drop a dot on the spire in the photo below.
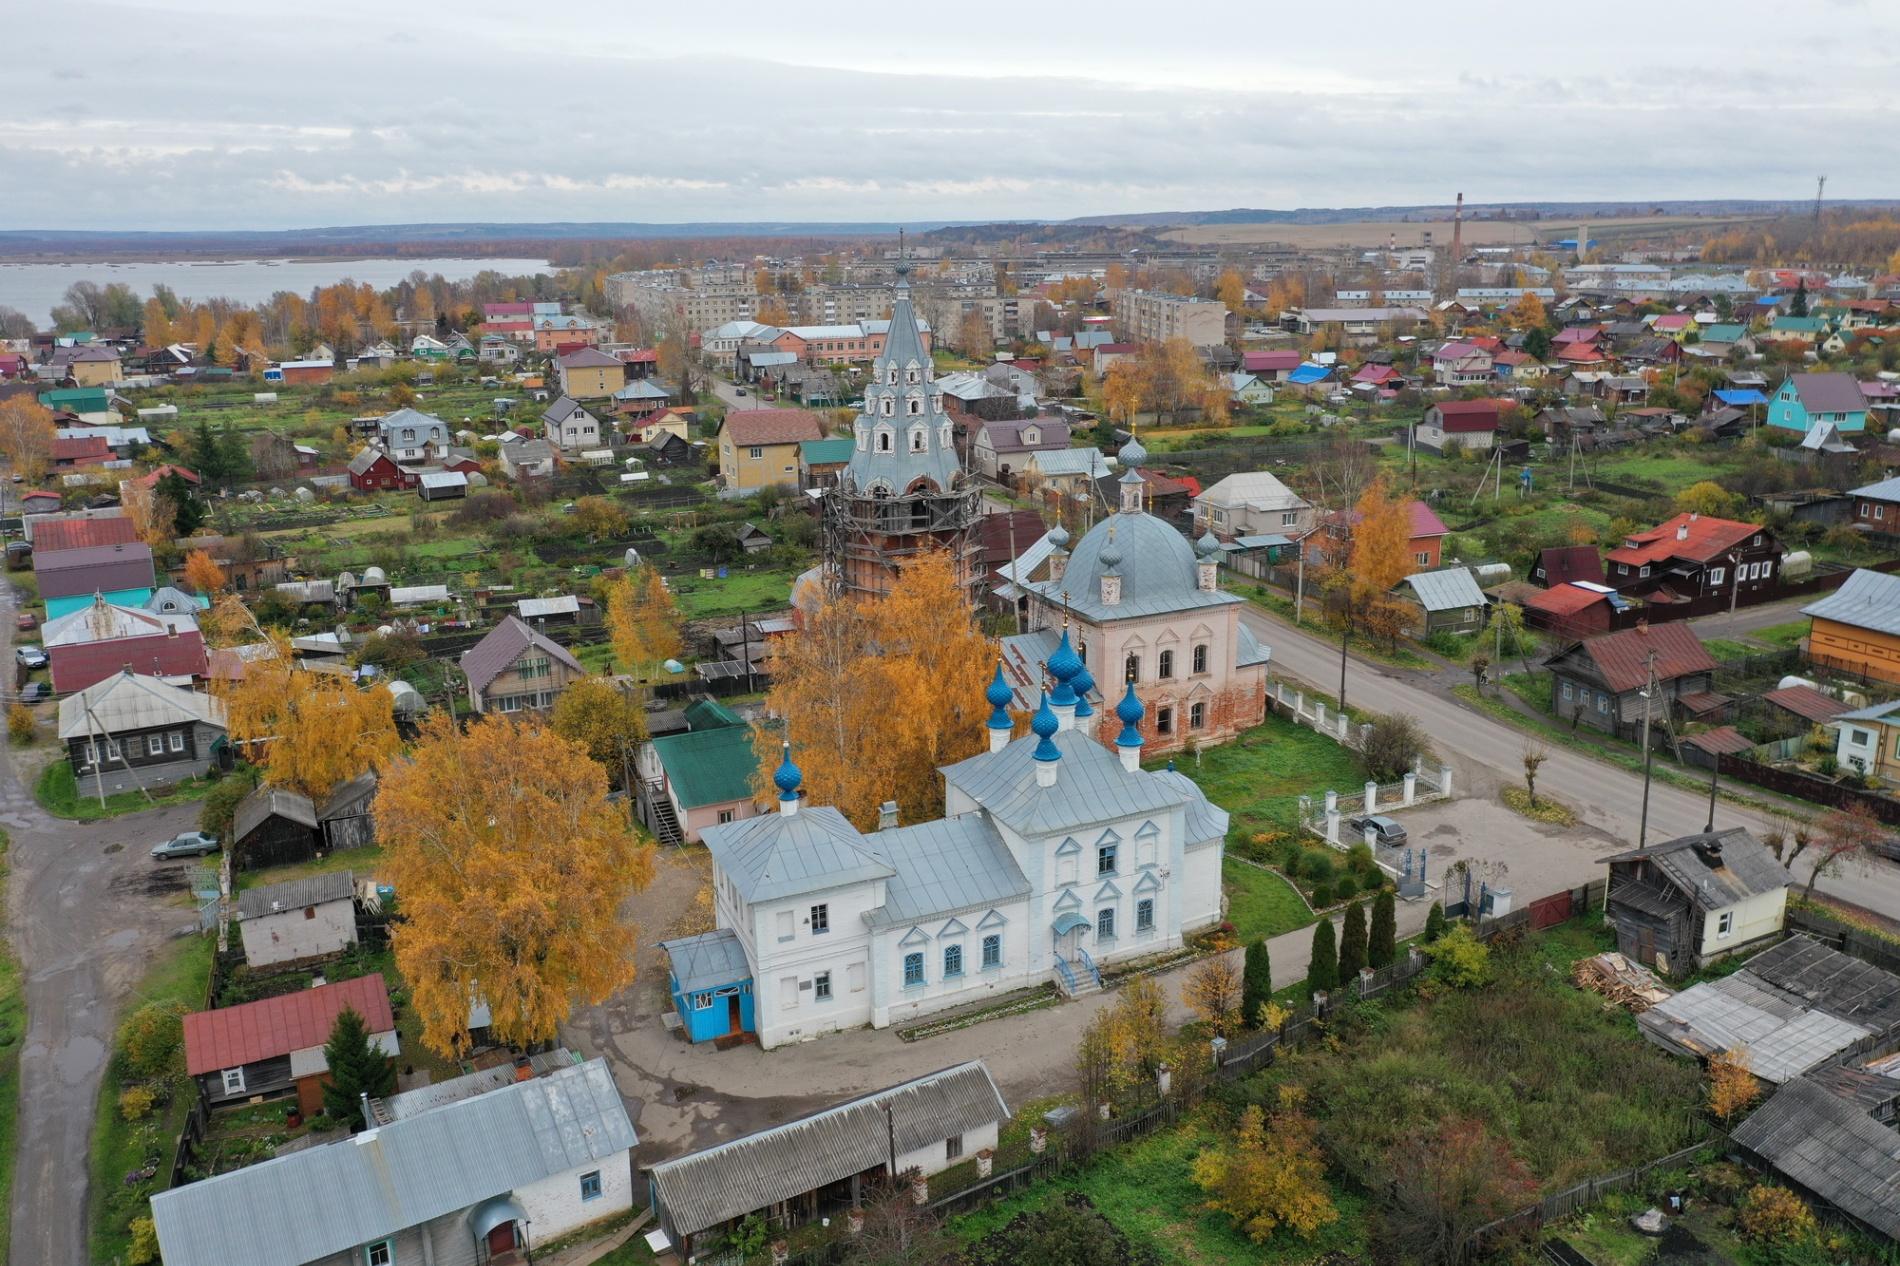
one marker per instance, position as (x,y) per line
(998,696)
(1044,725)
(787,779)
(1128,742)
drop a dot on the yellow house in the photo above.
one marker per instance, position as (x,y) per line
(590,374)
(662,422)
(758,448)
(94,367)
(1857,627)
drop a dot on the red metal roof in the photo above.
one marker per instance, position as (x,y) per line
(150,478)
(1806,701)
(1425,522)
(1564,599)
(1723,740)
(1465,416)
(1622,659)
(1702,539)
(76,666)
(80,533)
(1582,354)
(1268,362)
(274,1027)
(1562,563)
(81,448)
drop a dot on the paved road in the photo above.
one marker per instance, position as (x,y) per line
(730,397)
(1487,754)
(1748,620)
(87,907)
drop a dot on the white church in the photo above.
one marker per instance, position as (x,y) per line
(1056,855)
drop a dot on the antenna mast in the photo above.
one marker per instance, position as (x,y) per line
(1820,187)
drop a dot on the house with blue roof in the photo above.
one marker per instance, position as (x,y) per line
(1805,401)
(1056,854)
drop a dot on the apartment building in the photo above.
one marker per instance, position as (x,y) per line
(1152,317)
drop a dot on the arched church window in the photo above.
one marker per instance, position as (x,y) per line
(917,439)
(888,407)
(916,406)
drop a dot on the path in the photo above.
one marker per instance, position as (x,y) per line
(87,907)
(1487,755)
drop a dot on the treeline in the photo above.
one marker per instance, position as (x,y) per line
(1856,239)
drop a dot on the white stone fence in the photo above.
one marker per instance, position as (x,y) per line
(1324,815)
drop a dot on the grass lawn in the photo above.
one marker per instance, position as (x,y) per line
(1260,776)
(12,1033)
(180,971)
(1532,688)
(1672,466)
(361,860)
(58,793)
(1146,1189)
(1789,634)
(747,591)
(1727,648)
(1260,903)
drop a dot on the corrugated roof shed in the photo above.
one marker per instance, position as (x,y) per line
(63,534)
(334,1198)
(1831,981)
(1832,1149)
(733,1179)
(708,765)
(710,960)
(296,894)
(234,1036)
(1780,1038)
(1806,702)
(1450,589)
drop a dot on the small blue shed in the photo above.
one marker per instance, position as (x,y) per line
(711,983)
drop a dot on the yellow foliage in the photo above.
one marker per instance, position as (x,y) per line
(1731,1086)
(606,721)
(203,574)
(309,731)
(1213,992)
(600,518)
(877,693)
(512,865)
(1272,1175)
(26,437)
(643,622)
(1776,1215)
(20,723)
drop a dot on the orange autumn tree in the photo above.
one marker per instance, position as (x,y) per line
(309,731)
(26,437)
(512,865)
(203,574)
(877,693)
(643,622)
(1380,558)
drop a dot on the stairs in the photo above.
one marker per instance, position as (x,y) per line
(666,823)
(1074,986)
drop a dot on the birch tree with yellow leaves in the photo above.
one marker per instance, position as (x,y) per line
(309,731)
(876,693)
(512,866)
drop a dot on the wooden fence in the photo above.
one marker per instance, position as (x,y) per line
(1561,1204)
(1810,787)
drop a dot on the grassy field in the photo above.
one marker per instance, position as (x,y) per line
(361,860)
(1260,904)
(741,591)
(1783,635)
(12,1034)
(58,793)
(180,972)
(1260,776)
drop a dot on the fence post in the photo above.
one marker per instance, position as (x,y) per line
(1319,714)
(1332,802)
(1411,787)
(1372,796)
(1332,823)
(1444,781)
(1345,729)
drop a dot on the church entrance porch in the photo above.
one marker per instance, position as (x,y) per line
(1075,971)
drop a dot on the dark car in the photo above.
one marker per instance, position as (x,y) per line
(1386,831)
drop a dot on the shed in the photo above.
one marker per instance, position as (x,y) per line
(753,538)
(1444,601)
(442,485)
(1688,902)
(711,984)
(301,919)
(272,826)
(1831,1149)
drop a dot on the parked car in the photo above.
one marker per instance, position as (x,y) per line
(25,622)
(738,391)
(190,844)
(1386,831)
(30,656)
(36,692)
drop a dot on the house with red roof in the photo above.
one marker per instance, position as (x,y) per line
(1696,556)
(1572,608)
(275,1045)
(1428,533)
(1378,376)
(1517,366)
(1466,424)
(1273,366)
(1601,681)
(1582,354)
(81,450)
(151,477)
(1462,364)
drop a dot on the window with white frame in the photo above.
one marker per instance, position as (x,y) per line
(1725,923)
(1197,716)
(1716,575)
(1164,665)
(233,1081)
(154,744)
(1145,915)
(177,741)
(383,1254)
(755,452)
(992,952)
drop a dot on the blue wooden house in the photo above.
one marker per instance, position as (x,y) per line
(1804,401)
(711,984)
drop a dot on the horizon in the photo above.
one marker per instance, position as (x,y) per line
(664,118)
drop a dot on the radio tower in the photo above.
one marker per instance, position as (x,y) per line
(1458,232)
(1820,187)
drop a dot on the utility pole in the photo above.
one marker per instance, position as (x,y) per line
(1820,187)
(1649,710)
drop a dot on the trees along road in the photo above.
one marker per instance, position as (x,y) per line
(1606,796)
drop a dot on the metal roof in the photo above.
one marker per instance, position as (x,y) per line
(272,802)
(711,764)
(231,1037)
(1866,600)
(335,1198)
(71,573)
(1256,489)
(535,608)
(710,960)
(1091,786)
(296,894)
(945,866)
(488,658)
(1157,571)
(128,701)
(1447,590)
(704,1189)
(1831,1148)
(102,621)
(1830,981)
(1780,1038)
(784,854)
(1206,821)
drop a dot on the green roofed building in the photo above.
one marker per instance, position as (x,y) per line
(78,399)
(819,462)
(700,778)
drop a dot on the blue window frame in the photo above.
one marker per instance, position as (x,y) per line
(913,970)
(992,952)
(953,960)
(1105,924)
(1145,915)
(590,1185)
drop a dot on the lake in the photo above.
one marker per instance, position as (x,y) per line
(34,288)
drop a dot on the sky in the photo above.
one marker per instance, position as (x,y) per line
(222,114)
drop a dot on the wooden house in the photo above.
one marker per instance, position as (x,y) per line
(298,921)
(1683,904)
(1599,681)
(275,1046)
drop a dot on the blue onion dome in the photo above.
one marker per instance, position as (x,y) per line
(1208,544)
(1044,725)
(1059,536)
(1063,666)
(1082,683)
(788,776)
(1129,712)
(998,695)
(1132,454)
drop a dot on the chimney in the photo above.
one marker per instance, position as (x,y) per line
(1682,531)
(887,815)
(1642,628)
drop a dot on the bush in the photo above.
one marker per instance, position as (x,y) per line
(1318,864)
(152,1040)
(1359,859)
(1776,1215)
(1344,885)
(1460,959)
(135,1103)
(144,1247)
(1434,922)
(20,724)
(1322,896)
(221,802)
(1393,746)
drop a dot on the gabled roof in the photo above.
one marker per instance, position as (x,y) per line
(1470,416)
(1828,393)
(296,894)
(1622,659)
(1714,869)
(1091,786)
(703,1189)
(1564,563)
(785,854)
(102,621)
(70,573)
(590,358)
(1703,539)
(563,409)
(65,534)
(1830,1147)
(1450,589)
(708,766)
(367,458)
(771,426)
(488,658)
(129,701)
(1866,600)
(1269,362)
(825,452)
(710,960)
(329,1200)
(267,802)
(231,1037)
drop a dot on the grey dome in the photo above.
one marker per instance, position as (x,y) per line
(1156,562)
(1132,454)
(1058,536)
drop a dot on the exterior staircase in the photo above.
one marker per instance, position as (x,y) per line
(666,823)
(1076,984)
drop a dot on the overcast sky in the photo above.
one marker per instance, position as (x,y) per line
(231,113)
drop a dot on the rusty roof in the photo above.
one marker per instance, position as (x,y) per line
(1622,659)
(234,1036)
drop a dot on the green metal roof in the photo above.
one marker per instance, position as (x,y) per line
(709,714)
(78,399)
(709,766)
(821,452)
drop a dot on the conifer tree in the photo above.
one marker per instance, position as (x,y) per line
(1256,982)
(357,1068)
(1435,923)
(1352,943)
(1382,945)
(1322,971)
